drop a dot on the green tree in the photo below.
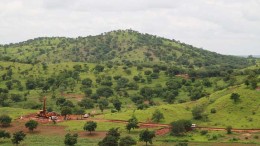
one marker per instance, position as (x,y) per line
(179,127)
(147,136)
(31,125)
(3,98)
(235,97)
(66,111)
(102,103)
(132,123)
(87,103)
(157,116)
(99,68)
(253,84)
(4,134)
(127,141)
(109,141)
(111,138)
(9,85)
(105,91)
(87,82)
(5,120)
(90,126)
(117,104)
(71,83)
(247,83)
(70,139)
(18,137)
(197,112)
(16,97)
(80,111)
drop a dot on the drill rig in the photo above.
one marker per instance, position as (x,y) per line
(43,113)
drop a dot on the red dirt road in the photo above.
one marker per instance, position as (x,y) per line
(165,128)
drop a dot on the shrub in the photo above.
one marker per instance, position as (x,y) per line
(70,139)
(5,120)
(31,125)
(213,111)
(204,132)
(229,129)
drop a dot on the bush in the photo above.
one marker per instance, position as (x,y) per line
(213,111)
(70,139)
(127,141)
(229,129)
(182,144)
(197,112)
(204,132)
(113,110)
(180,127)
(31,125)
(5,120)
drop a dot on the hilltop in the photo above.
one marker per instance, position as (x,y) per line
(121,46)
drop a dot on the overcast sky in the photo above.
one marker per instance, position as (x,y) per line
(223,26)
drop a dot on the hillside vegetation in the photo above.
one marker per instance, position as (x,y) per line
(124,73)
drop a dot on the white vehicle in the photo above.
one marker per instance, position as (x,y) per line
(86,116)
(193,125)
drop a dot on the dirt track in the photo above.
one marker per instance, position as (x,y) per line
(165,128)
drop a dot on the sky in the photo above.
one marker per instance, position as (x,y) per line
(223,26)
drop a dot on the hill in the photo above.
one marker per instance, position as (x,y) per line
(121,46)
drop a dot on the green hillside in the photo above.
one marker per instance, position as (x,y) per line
(122,73)
(122,46)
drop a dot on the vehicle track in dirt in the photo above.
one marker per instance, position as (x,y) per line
(163,128)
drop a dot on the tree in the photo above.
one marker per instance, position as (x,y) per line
(4,134)
(90,126)
(229,129)
(31,125)
(99,68)
(111,138)
(109,141)
(117,104)
(146,92)
(127,141)
(87,103)
(247,83)
(18,137)
(105,91)
(80,111)
(16,97)
(3,98)
(5,120)
(71,83)
(70,139)
(87,82)
(102,103)
(197,112)
(132,123)
(66,111)
(114,132)
(122,82)
(180,126)
(235,97)
(253,84)
(9,85)
(157,116)
(147,136)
